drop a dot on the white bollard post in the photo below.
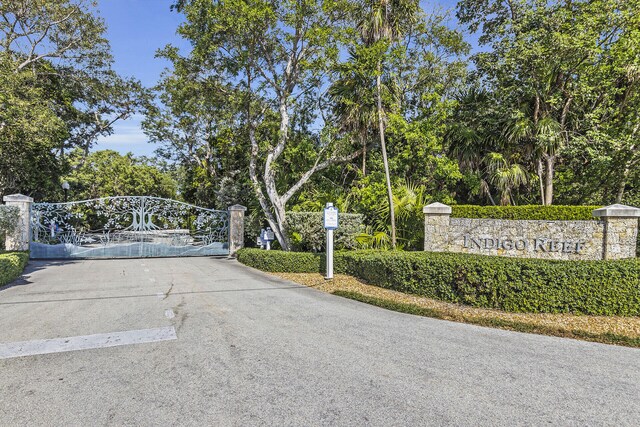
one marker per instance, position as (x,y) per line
(330,224)
(329,254)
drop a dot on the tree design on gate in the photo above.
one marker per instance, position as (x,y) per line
(170,226)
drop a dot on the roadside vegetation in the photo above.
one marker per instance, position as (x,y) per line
(609,288)
(11,263)
(604,329)
(593,300)
(379,107)
(11,266)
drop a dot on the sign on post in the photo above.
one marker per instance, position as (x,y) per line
(330,217)
(267,236)
(330,224)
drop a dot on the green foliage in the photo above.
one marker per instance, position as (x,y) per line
(282,261)
(510,284)
(307,232)
(107,173)
(408,200)
(562,101)
(267,64)
(29,133)
(11,266)
(372,238)
(57,90)
(531,212)
(195,124)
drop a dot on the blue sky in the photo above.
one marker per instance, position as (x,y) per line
(136,29)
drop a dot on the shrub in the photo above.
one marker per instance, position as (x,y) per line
(307,233)
(530,212)
(510,284)
(281,261)
(11,266)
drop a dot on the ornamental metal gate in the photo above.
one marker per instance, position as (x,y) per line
(127,227)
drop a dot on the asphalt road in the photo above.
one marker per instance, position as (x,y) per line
(255,350)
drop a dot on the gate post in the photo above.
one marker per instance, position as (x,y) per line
(236,228)
(436,227)
(20,238)
(620,230)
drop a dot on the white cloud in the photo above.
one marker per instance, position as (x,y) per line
(127,137)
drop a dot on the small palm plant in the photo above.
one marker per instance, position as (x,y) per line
(408,201)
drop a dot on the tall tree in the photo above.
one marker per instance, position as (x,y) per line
(279,55)
(382,23)
(551,63)
(55,57)
(107,173)
(30,132)
(196,122)
(422,66)
(354,102)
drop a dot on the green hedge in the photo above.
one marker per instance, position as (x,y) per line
(307,233)
(509,284)
(530,212)
(11,266)
(281,261)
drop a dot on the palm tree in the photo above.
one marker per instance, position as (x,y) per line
(542,138)
(382,23)
(505,175)
(352,96)
(472,136)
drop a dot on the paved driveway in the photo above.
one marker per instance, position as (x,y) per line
(250,349)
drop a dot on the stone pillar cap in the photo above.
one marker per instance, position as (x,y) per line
(237,208)
(617,210)
(437,209)
(17,198)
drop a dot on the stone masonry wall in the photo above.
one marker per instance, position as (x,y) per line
(612,236)
(524,238)
(622,235)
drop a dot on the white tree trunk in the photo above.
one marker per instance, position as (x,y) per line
(548,186)
(383,146)
(541,181)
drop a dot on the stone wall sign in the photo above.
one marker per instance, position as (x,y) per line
(611,236)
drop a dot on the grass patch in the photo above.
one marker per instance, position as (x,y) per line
(607,338)
(603,329)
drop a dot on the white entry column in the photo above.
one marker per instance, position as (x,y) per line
(20,238)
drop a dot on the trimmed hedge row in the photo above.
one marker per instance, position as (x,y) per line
(509,284)
(11,266)
(530,212)
(281,261)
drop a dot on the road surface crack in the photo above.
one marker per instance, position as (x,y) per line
(166,294)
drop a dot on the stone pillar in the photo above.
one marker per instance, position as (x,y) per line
(436,227)
(620,230)
(20,238)
(236,228)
